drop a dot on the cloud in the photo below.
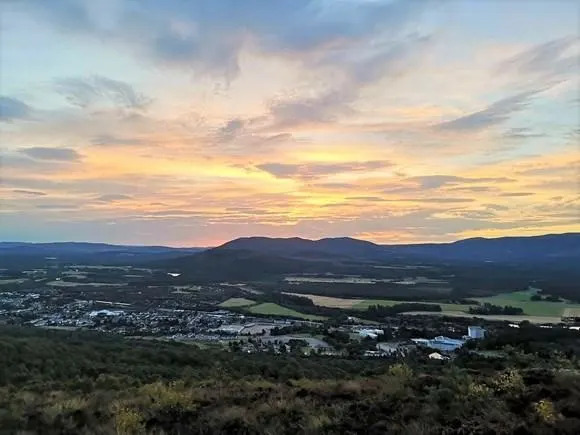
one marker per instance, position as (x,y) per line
(365,198)
(12,108)
(494,114)
(472,189)
(548,60)
(229,131)
(67,15)
(209,36)
(29,192)
(98,89)
(49,153)
(58,206)
(316,170)
(113,197)
(321,109)
(522,133)
(496,207)
(435,200)
(563,170)
(359,71)
(109,140)
(436,181)
(516,194)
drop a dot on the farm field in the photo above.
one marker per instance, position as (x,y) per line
(277,310)
(522,300)
(329,301)
(78,284)
(237,302)
(499,317)
(363,304)
(12,281)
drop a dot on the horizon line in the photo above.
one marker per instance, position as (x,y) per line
(287,238)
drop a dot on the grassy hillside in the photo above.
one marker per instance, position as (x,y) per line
(237,302)
(278,310)
(533,308)
(79,383)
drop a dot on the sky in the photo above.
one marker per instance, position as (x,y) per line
(190,123)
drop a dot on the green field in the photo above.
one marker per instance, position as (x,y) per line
(237,302)
(12,281)
(522,300)
(79,284)
(277,310)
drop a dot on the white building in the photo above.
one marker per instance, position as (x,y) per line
(437,355)
(370,333)
(475,332)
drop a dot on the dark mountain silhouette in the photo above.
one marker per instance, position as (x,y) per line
(17,254)
(301,248)
(534,249)
(257,257)
(254,257)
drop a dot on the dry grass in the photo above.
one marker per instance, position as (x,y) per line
(571,312)
(329,301)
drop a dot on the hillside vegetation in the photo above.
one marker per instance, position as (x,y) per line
(80,383)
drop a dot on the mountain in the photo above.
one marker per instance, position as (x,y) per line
(255,257)
(18,254)
(296,247)
(258,257)
(534,249)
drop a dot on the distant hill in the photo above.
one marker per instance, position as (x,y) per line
(19,254)
(534,249)
(304,248)
(256,257)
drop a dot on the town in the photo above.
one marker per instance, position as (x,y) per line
(125,303)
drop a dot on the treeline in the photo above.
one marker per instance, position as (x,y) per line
(547,298)
(379,312)
(379,290)
(487,309)
(373,312)
(87,383)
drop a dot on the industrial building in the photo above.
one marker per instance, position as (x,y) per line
(475,332)
(446,344)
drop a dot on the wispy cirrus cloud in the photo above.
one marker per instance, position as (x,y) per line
(86,92)
(436,181)
(516,194)
(493,115)
(209,37)
(113,197)
(522,133)
(52,153)
(230,130)
(29,192)
(315,170)
(111,140)
(548,60)
(359,71)
(12,109)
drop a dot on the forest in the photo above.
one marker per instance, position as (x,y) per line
(70,382)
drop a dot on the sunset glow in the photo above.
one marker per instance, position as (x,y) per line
(193,123)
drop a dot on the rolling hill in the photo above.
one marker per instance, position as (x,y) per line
(258,257)
(19,254)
